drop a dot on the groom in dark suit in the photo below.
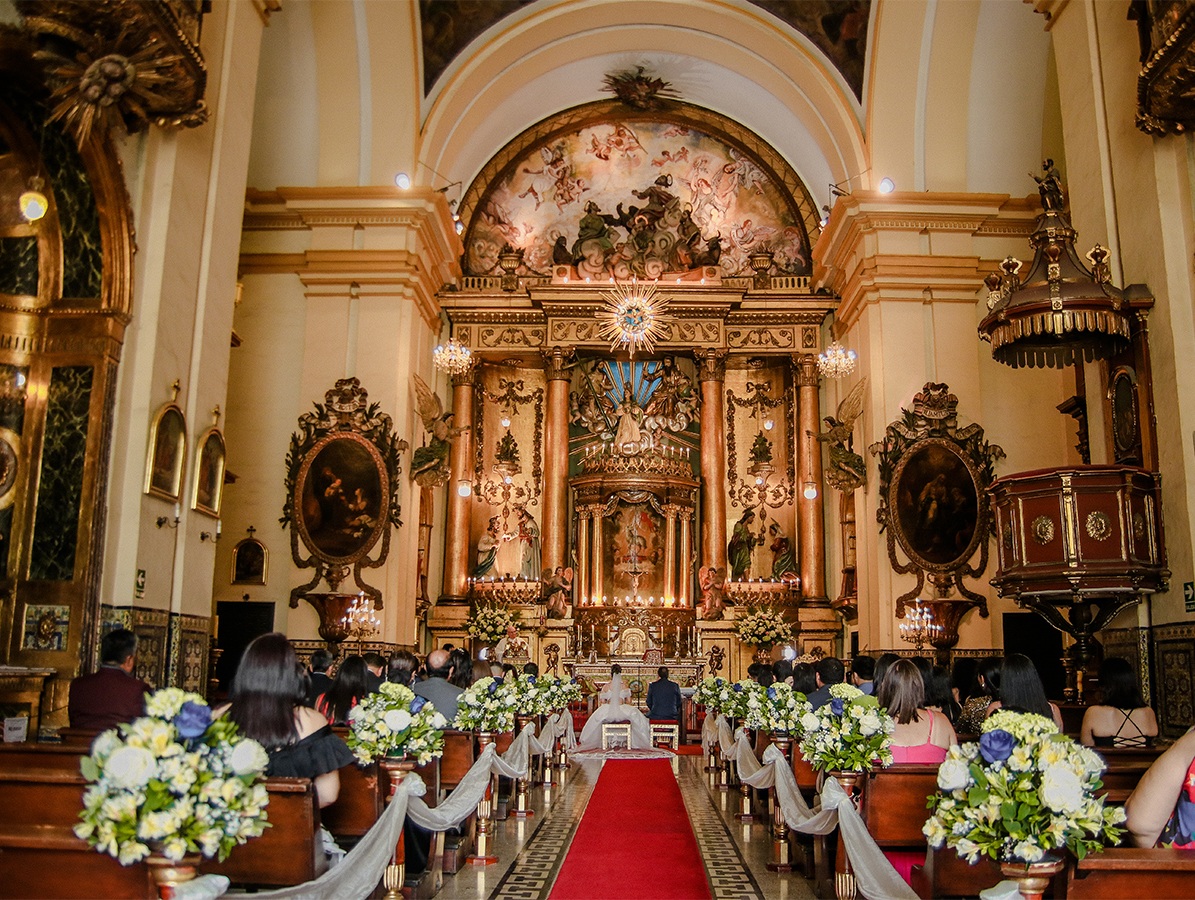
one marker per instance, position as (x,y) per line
(663,698)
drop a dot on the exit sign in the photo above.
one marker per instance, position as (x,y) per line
(1189,595)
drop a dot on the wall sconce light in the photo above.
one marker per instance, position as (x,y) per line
(208,536)
(887,186)
(165,521)
(810,491)
(464,487)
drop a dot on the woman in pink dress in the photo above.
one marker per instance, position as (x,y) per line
(920,736)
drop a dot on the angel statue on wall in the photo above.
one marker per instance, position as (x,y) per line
(712,599)
(429,463)
(847,469)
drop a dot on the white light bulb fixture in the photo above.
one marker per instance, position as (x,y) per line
(810,491)
(464,487)
(505,420)
(33,203)
(403,180)
(887,186)
(769,424)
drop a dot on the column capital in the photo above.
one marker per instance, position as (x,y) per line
(465,378)
(557,363)
(805,367)
(711,365)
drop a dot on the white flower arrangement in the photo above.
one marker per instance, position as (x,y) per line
(175,778)
(709,694)
(1019,793)
(531,698)
(488,622)
(785,708)
(489,705)
(851,733)
(394,722)
(763,626)
(738,702)
(558,694)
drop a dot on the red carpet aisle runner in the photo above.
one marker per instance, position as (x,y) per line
(634,841)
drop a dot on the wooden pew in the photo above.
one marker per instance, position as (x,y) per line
(1121,872)
(290,851)
(945,875)
(459,756)
(809,854)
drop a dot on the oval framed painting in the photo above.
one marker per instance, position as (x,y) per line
(342,497)
(935,497)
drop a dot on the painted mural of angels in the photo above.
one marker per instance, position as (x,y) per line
(429,463)
(847,469)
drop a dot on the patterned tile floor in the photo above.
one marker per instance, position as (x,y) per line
(531,851)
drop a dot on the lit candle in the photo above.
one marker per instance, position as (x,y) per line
(216,627)
(178,510)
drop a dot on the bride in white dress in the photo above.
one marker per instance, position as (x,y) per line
(614,708)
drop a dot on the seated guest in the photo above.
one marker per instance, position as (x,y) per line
(531,669)
(982,692)
(921,735)
(481,669)
(437,689)
(862,671)
(375,665)
(804,678)
(111,694)
(765,678)
(317,677)
(1161,809)
(462,668)
(401,667)
(348,687)
(829,671)
(753,671)
(663,698)
(1123,719)
(782,670)
(266,703)
(938,694)
(882,664)
(1021,689)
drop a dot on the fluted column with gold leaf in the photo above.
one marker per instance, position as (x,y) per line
(819,625)
(555,525)
(456,553)
(711,373)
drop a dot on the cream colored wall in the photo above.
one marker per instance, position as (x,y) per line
(187,189)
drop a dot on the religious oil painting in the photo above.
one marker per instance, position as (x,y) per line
(209,473)
(250,562)
(637,197)
(340,497)
(46,627)
(167,453)
(935,493)
(633,571)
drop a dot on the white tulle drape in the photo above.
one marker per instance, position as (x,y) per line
(361,870)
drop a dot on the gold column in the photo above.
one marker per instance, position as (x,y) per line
(599,554)
(819,625)
(686,553)
(711,372)
(584,578)
(555,524)
(670,551)
(460,509)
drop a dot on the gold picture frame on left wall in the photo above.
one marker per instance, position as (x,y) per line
(167,452)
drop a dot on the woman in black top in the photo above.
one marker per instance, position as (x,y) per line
(348,687)
(1123,719)
(267,703)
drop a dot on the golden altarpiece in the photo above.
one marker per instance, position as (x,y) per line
(630,500)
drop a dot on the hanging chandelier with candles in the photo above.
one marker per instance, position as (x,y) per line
(452,357)
(836,361)
(634,316)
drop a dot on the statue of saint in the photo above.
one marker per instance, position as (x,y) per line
(742,542)
(784,561)
(487,549)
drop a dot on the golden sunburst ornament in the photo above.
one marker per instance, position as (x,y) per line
(634,315)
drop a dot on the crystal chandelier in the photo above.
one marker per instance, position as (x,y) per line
(836,361)
(633,316)
(453,357)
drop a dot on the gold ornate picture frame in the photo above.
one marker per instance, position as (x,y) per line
(167,453)
(250,562)
(207,490)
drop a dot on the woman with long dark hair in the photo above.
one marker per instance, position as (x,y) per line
(348,687)
(268,703)
(1021,689)
(462,668)
(921,734)
(1123,719)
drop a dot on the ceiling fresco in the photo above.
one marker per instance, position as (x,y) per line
(637,195)
(836,27)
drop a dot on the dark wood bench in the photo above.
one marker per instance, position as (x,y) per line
(459,756)
(944,874)
(1118,873)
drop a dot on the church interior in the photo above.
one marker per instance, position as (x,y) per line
(360,321)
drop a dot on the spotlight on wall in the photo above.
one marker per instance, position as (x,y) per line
(33,203)
(403,180)
(887,186)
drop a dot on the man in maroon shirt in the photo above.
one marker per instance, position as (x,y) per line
(112,695)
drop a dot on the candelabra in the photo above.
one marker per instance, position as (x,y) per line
(919,627)
(359,622)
